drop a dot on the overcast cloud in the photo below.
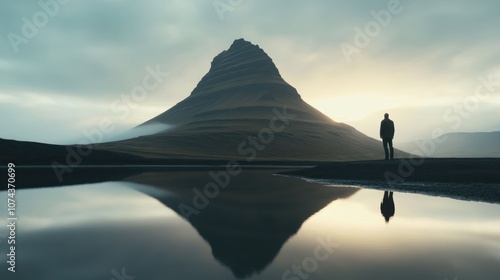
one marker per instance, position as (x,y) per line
(91,53)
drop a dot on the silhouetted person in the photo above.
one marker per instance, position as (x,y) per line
(387,133)
(387,206)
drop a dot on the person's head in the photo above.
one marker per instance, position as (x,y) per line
(386,116)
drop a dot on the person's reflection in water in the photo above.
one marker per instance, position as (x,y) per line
(387,206)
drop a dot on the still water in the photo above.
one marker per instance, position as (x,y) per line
(153,225)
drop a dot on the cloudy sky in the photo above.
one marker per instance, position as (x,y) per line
(68,65)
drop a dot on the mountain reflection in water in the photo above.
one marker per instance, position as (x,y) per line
(249,221)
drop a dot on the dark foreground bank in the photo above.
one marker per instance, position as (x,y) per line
(471,179)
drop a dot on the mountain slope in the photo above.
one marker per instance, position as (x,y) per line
(242,109)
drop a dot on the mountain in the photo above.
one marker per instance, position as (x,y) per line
(459,144)
(242,109)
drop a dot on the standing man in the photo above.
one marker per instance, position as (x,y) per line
(387,133)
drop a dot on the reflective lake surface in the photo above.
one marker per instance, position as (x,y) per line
(185,225)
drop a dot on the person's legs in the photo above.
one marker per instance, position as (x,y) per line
(391,148)
(385,142)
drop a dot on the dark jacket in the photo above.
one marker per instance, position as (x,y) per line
(387,129)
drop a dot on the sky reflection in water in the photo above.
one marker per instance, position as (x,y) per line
(258,228)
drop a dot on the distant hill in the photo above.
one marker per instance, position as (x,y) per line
(22,152)
(243,98)
(461,144)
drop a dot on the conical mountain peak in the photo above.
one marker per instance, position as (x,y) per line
(243,97)
(243,61)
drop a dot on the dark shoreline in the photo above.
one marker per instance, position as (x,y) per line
(39,176)
(463,178)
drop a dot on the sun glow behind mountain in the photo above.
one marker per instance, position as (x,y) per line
(416,67)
